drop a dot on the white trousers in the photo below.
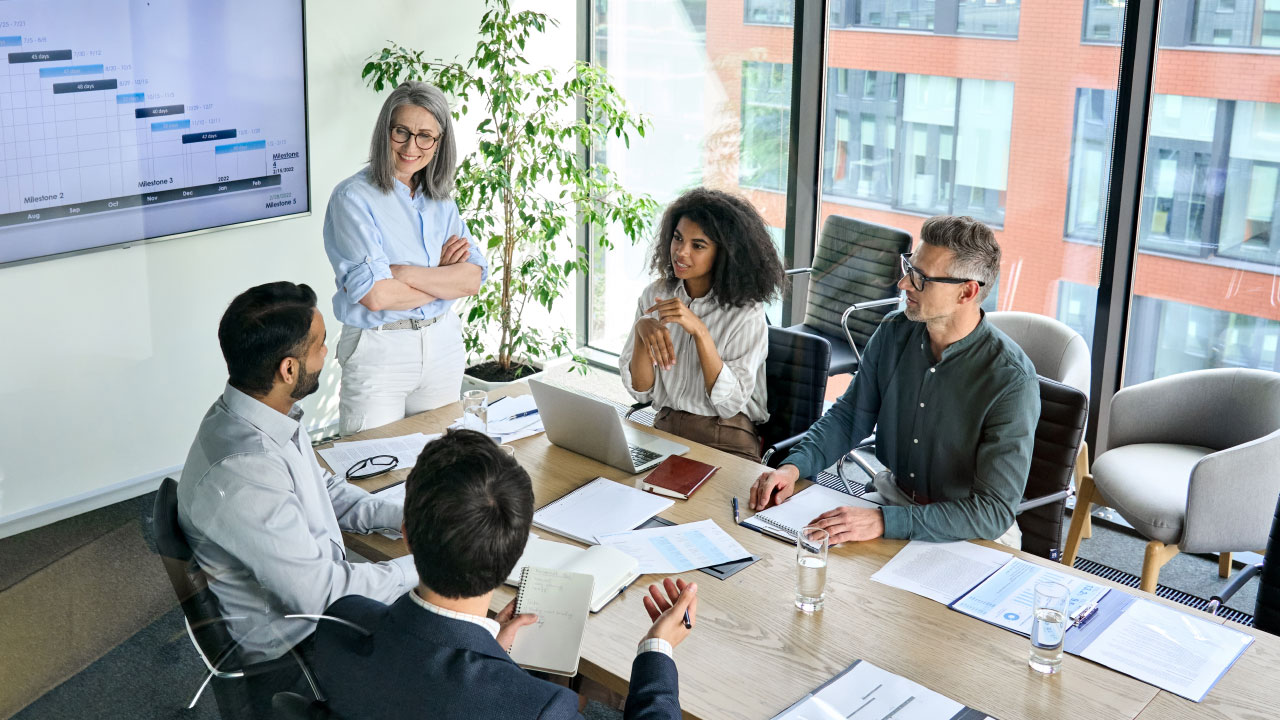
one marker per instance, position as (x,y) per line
(889,493)
(390,374)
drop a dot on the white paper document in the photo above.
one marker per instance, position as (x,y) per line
(1168,648)
(406,448)
(940,571)
(866,692)
(1005,598)
(600,507)
(677,548)
(510,419)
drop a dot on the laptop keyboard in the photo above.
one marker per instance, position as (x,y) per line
(640,456)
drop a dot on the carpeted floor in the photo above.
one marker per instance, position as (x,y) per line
(92,629)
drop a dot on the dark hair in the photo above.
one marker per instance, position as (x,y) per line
(977,254)
(467,511)
(747,268)
(263,326)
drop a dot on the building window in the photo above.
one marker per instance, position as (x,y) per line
(769,12)
(766,125)
(1249,202)
(988,17)
(1168,337)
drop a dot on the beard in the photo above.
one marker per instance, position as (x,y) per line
(307,384)
(913,313)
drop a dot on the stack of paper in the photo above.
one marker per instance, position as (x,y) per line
(677,548)
(406,448)
(600,507)
(511,418)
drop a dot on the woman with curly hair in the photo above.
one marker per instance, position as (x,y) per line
(699,342)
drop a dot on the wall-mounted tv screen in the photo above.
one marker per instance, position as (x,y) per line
(125,121)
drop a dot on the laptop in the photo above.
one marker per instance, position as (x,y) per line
(592,427)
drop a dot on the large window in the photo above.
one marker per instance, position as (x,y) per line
(1184,23)
(997,18)
(715,82)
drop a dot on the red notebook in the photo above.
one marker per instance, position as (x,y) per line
(678,477)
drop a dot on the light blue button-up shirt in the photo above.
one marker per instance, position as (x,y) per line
(366,231)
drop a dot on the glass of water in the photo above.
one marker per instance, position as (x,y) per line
(1048,626)
(475,411)
(811,568)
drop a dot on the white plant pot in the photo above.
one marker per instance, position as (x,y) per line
(471,383)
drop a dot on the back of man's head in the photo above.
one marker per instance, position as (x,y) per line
(467,511)
(261,327)
(977,254)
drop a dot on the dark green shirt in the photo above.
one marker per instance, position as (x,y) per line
(959,431)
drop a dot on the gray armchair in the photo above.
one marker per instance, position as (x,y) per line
(1190,462)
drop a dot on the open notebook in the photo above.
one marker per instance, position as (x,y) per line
(554,643)
(612,569)
(599,507)
(785,521)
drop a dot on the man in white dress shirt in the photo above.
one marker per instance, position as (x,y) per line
(263,519)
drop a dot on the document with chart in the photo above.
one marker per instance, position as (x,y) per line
(865,692)
(122,121)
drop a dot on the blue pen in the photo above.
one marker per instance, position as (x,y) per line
(737,519)
(517,416)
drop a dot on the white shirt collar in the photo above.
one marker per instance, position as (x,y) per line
(488,624)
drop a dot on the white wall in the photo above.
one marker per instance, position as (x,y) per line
(109,360)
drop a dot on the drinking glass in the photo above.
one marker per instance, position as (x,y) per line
(475,411)
(1048,626)
(811,568)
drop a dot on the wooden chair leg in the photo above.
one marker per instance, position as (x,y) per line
(1224,565)
(1079,518)
(1082,469)
(1157,555)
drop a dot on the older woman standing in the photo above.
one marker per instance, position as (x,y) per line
(401,255)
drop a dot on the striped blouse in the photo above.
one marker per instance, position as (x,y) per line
(741,336)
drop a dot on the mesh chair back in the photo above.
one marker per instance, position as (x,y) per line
(199,604)
(1266,616)
(1063,410)
(796,378)
(855,261)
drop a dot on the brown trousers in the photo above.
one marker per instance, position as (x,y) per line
(736,435)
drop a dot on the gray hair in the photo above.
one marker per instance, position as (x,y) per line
(436,179)
(977,254)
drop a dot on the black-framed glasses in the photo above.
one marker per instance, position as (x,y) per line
(424,141)
(372,467)
(918,279)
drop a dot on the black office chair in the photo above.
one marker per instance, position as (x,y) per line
(852,285)
(796,378)
(202,614)
(795,375)
(1266,613)
(1059,432)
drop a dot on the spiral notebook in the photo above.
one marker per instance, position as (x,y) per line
(562,602)
(785,521)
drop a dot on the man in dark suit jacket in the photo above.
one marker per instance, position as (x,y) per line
(434,652)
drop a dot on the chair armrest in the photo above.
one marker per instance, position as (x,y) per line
(636,407)
(780,446)
(1232,588)
(1229,499)
(800,271)
(1041,501)
(844,319)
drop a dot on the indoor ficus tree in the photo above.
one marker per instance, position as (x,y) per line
(525,188)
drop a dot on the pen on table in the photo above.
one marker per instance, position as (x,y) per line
(517,416)
(736,517)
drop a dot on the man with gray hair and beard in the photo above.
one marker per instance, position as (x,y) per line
(953,402)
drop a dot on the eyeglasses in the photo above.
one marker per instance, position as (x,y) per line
(424,141)
(372,467)
(918,279)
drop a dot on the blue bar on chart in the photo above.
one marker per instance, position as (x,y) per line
(39,56)
(209,135)
(84,86)
(11,41)
(70,70)
(158,110)
(240,147)
(170,125)
(127,98)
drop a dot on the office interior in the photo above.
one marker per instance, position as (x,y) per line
(1126,155)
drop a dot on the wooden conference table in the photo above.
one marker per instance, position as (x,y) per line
(752,654)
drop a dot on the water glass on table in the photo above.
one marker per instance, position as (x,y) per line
(475,411)
(811,568)
(1048,626)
